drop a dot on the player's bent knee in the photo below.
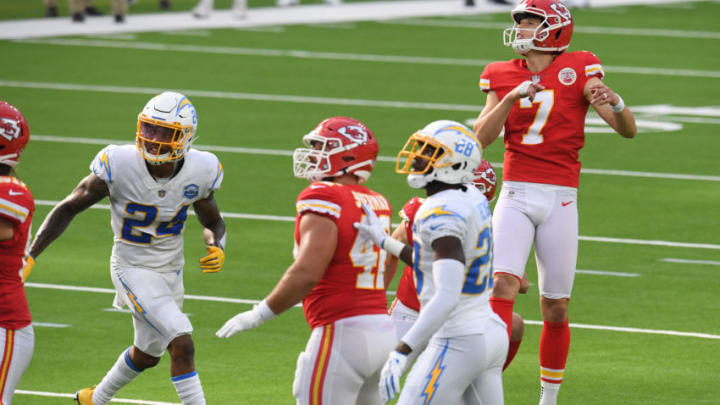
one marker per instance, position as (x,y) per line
(505,285)
(142,360)
(182,346)
(518,327)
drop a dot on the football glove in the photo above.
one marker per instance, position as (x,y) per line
(373,229)
(27,269)
(390,375)
(214,261)
(246,320)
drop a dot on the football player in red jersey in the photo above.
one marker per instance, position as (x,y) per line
(16,211)
(406,306)
(541,100)
(337,274)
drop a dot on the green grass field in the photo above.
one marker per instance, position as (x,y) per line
(660,190)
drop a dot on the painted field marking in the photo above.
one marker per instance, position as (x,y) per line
(607,273)
(51,203)
(642,32)
(635,330)
(279,152)
(117,400)
(302,54)
(688,261)
(51,325)
(252,302)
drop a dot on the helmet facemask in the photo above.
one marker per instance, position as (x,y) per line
(159,142)
(552,34)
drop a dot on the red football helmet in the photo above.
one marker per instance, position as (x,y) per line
(485,179)
(14,134)
(337,146)
(552,35)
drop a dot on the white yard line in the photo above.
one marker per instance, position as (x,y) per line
(687,261)
(295,53)
(643,32)
(279,152)
(607,273)
(51,203)
(116,400)
(252,302)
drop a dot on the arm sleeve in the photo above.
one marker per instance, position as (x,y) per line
(448,276)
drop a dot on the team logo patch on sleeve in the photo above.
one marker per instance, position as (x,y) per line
(567,76)
(191,191)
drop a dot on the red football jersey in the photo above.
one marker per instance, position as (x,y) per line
(543,137)
(353,282)
(16,206)
(407,292)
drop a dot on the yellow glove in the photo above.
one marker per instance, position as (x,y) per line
(214,261)
(27,269)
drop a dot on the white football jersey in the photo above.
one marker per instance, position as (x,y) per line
(148,217)
(466,216)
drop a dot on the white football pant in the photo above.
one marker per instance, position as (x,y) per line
(16,349)
(342,361)
(547,216)
(463,370)
(156,301)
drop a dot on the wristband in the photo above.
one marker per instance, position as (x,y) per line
(264,311)
(617,108)
(392,246)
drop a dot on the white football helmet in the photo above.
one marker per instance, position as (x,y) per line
(166,128)
(444,151)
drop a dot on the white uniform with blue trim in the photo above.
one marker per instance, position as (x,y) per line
(464,357)
(148,220)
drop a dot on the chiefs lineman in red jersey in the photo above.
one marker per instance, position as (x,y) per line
(406,306)
(16,210)
(541,100)
(337,274)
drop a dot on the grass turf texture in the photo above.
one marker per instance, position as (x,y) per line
(257,367)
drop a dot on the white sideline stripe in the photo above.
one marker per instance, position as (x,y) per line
(239,301)
(649,242)
(687,261)
(51,325)
(52,203)
(277,152)
(635,330)
(117,400)
(607,273)
(242,96)
(644,32)
(294,53)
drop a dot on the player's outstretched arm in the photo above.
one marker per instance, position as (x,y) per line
(318,240)
(611,107)
(89,191)
(391,262)
(208,214)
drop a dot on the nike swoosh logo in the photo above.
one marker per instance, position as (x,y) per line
(434,227)
(13,192)
(566,203)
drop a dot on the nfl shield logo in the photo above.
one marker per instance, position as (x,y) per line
(567,76)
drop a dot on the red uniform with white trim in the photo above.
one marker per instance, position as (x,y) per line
(17,206)
(407,292)
(543,137)
(352,333)
(16,335)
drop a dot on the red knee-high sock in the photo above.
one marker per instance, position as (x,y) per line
(512,351)
(504,308)
(554,348)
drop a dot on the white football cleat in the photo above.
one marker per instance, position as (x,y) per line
(287,3)
(203,9)
(239,9)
